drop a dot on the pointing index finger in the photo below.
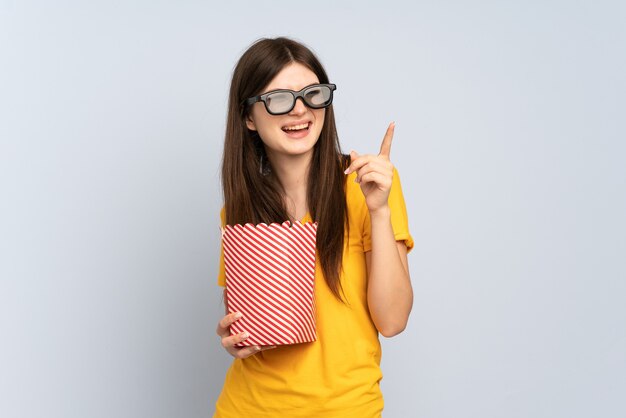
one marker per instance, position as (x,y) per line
(385,147)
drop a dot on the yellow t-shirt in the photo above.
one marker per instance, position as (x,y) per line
(338,375)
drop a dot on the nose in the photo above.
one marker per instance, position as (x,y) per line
(299,108)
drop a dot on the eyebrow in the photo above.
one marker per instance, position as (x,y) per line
(284,89)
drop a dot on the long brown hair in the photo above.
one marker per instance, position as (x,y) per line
(251,194)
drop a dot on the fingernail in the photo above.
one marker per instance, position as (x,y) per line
(245,335)
(238,315)
(258,348)
(346,170)
(272,346)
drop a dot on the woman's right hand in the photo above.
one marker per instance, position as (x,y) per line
(229,341)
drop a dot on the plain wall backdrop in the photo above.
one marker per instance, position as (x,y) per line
(510,143)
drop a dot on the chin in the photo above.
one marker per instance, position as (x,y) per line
(300,152)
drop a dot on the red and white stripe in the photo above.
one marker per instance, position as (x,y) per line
(270,279)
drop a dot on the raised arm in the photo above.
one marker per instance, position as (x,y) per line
(389,291)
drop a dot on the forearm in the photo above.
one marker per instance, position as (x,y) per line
(389,292)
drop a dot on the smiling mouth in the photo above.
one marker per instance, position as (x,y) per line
(297,128)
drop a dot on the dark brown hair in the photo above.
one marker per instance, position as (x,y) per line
(253,196)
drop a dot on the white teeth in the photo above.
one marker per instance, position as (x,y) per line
(296,127)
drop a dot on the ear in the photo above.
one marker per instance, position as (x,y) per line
(250,123)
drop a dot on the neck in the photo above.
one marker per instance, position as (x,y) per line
(293,174)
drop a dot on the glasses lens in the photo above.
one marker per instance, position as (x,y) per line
(279,102)
(318,96)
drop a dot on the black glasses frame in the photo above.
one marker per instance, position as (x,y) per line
(295,94)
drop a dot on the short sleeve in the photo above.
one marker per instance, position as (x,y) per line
(221,276)
(399,217)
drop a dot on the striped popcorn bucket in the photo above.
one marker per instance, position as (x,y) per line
(270,278)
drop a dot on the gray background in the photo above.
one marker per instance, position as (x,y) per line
(509,141)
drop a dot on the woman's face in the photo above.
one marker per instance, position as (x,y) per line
(294,133)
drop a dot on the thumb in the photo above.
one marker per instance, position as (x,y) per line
(353,156)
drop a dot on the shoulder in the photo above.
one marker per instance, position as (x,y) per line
(354,196)
(223,216)
(358,213)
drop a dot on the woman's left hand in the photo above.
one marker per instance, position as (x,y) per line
(374,173)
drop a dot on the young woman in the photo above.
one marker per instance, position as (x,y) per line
(282,161)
